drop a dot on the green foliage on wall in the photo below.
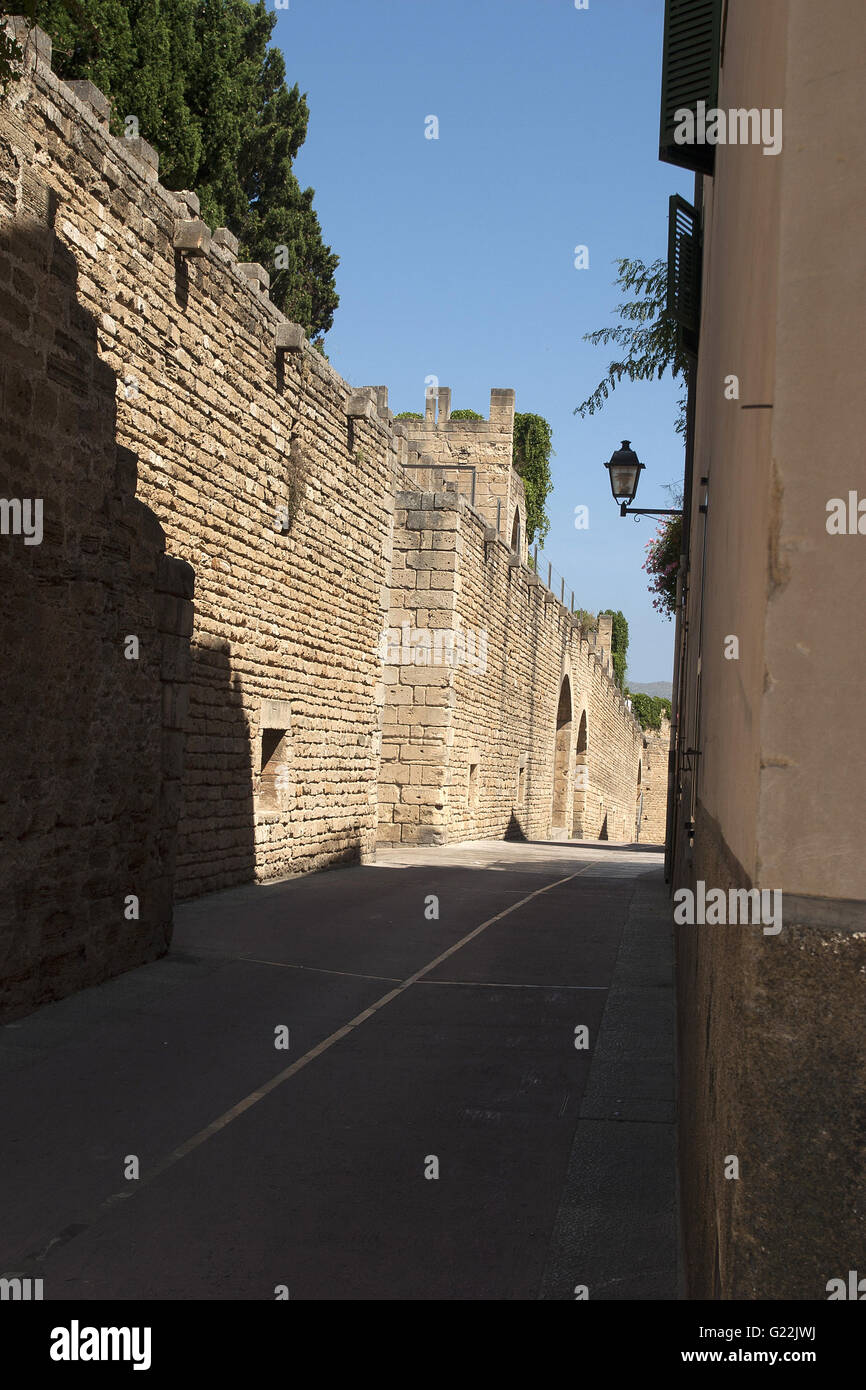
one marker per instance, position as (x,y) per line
(465,415)
(409,415)
(648,709)
(11,52)
(619,645)
(531,456)
(210,95)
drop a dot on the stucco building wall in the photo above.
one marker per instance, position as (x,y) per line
(771,1035)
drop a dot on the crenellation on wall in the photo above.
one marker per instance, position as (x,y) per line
(315,527)
(144,155)
(90,96)
(530,639)
(218,420)
(35,44)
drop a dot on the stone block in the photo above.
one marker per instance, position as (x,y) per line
(359,406)
(90,95)
(431,835)
(224,238)
(431,521)
(173,615)
(192,237)
(145,154)
(175,704)
(190,201)
(174,664)
(290,337)
(275,714)
(255,274)
(33,40)
(175,576)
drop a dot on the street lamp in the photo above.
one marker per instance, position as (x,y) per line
(624,470)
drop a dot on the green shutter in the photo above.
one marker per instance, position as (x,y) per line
(690,73)
(684,272)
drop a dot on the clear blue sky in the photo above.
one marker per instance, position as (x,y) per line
(457,254)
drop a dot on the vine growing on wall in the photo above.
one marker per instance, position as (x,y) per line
(619,644)
(648,709)
(531,456)
(10,51)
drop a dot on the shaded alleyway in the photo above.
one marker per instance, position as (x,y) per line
(411,1037)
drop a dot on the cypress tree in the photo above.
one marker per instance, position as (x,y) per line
(211,96)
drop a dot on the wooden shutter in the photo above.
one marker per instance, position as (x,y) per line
(690,73)
(684,272)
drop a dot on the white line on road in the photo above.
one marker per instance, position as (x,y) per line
(395,979)
(254,1097)
(508,984)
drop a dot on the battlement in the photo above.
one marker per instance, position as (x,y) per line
(437,412)
(477,456)
(134,337)
(472,457)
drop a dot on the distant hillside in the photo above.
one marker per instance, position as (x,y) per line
(663,688)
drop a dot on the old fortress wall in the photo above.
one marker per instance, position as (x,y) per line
(180,432)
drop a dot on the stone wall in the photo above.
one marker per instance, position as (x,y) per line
(654,784)
(475,456)
(528,735)
(94,631)
(276,482)
(270,477)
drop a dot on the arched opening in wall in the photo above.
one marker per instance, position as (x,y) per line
(639,808)
(581,781)
(515,530)
(562,757)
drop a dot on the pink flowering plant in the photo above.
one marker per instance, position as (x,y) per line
(662,565)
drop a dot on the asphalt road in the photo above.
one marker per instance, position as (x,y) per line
(417,1043)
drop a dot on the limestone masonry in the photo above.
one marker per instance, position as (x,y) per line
(371,657)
